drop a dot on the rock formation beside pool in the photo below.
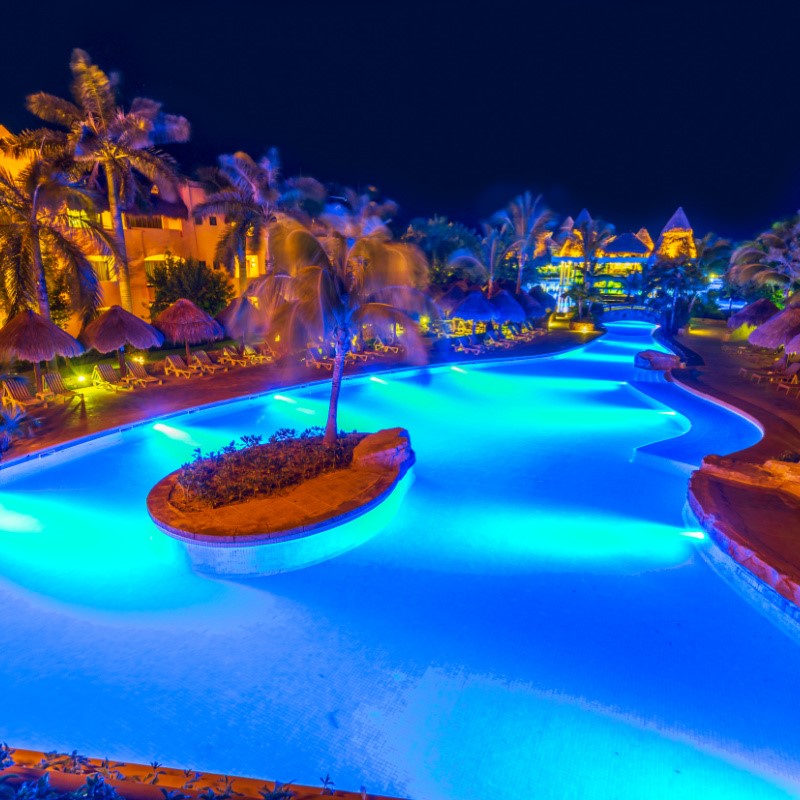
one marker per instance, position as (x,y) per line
(656,360)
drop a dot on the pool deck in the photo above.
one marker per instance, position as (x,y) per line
(749,511)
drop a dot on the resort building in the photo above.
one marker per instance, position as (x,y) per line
(157,229)
(621,262)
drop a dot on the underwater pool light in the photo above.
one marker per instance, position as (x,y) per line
(458,369)
(306,411)
(378,380)
(174,433)
(694,535)
(284,399)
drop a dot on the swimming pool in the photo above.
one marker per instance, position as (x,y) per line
(530,616)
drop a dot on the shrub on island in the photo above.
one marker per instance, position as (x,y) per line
(256,470)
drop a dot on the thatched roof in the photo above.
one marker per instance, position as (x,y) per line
(183,321)
(794,300)
(546,300)
(31,337)
(756,313)
(116,328)
(508,309)
(643,235)
(778,330)
(677,222)
(451,298)
(476,307)
(626,244)
(533,308)
(584,218)
(793,345)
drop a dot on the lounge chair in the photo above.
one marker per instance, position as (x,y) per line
(462,345)
(229,356)
(773,375)
(138,375)
(203,361)
(253,356)
(313,360)
(789,380)
(106,376)
(380,347)
(175,365)
(16,394)
(54,383)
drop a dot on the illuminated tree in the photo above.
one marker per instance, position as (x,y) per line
(251,197)
(35,233)
(772,258)
(589,238)
(334,286)
(116,147)
(527,221)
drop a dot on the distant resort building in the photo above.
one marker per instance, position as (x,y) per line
(620,263)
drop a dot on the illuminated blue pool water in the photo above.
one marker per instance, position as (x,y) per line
(531,615)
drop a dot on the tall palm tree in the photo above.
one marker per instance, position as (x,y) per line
(491,252)
(439,238)
(527,221)
(772,258)
(590,237)
(332,292)
(115,146)
(35,230)
(251,196)
(673,279)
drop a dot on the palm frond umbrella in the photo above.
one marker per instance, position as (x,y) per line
(477,308)
(115,328)
(778,330)
(30,337)
(793,346)
(794,300)
(451,298)
(754,314)
(184,322)
(533,308)
(546,300)
(508,309)
(242,320)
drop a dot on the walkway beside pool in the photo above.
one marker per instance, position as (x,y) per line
(106,410)
(751,515)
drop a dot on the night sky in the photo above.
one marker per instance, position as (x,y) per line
(627,109)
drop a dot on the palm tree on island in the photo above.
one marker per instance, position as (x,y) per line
(116,148)
(334,286)
(492,251)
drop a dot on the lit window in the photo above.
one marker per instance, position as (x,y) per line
(143,221)
(252,266)
(173,224)
(103,267)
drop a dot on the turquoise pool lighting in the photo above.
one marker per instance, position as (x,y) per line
(531,616)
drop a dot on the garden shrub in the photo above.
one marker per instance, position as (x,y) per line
(234,474)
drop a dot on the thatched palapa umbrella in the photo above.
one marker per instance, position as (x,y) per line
(754,314)
(451,298)
(778,330)
(31,337)
(184,322)
(477,308)
(115,328)
(547,301)
(508,309)
(533,308)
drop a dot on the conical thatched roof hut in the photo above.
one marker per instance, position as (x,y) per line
(543,298)
(508,309)
(533,308)
(30,337)
(476,307)
(777,331)
(754,314)
(184,322)
(451,298)
(115,328)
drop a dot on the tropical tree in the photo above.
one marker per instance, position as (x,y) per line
(251,196)
(333,286)
(492,250)
(589,238)
(772,258)
(672,280)
(527,221)
(117,148)
(36,238)
(209,289)
(439,237)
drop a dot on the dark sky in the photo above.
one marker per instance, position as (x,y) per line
(630,109)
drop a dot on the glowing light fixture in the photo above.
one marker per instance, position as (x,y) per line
(306,411)
(378,380)
(81,378)
(174,433)
(694,535)
(284,399)
(458,369)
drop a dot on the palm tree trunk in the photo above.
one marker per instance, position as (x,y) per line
(42,297)
(520,267)
(331,426)
(121,257)
(241,257)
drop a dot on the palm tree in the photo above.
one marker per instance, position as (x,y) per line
(491,252)
(772,258)
(334,291)
(35,230)
(116,147)
(527,220)
(590,237)
(251,197)
(670,280)
(439,238)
